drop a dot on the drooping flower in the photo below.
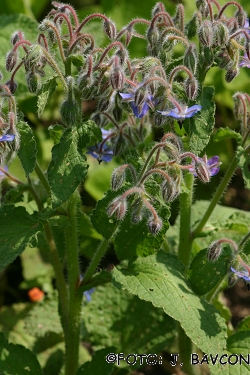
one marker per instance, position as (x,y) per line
(242,274)
(7,138)
(205,169)
(102,152)
(182,114)
(141,109)
(245,62)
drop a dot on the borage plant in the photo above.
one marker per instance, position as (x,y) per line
(154,118)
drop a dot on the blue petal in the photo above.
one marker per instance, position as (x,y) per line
(126,95)
(7,137)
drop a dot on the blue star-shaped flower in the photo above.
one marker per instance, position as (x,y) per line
(88,293)
(101,154)
(242,274)
(139,110)
(185,112)
(7,137)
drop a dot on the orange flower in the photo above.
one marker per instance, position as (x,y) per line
(35,294)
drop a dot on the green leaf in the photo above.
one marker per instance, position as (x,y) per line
(18,228)
(200,127)
(27,151)
(55,132)
(239,342)
(44,93)
(67,168)
(244,161)
(119,311)
(158,279)
(98,364)
(90,134)
(16,359)
(134,240)
(244,324)
(226,133)
(205,275)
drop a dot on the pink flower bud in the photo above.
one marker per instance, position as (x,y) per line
(11,60)
(118,177)
(110,29)
(206,33)
(117,78)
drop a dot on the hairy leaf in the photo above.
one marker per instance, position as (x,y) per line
(158,279)
(44,94)
(27,151)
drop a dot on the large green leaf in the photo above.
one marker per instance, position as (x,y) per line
(200,126)
(16,359)
(98,365)
(18,228)
(244,160)
(205,275)
(27,151)
(118,312)
(158,279)
(44,94)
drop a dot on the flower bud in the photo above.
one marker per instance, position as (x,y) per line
(214,251)
(191,88)
(154,225)
(118,177)
(109,29)
(206,33)
(34,81)
(119,145)
(12,85)
(202,171)
(117,78)
(225,60)
(190,57)
(168,43)
(118,208)
(117,113)
(158,120)
(169,190)
(86,86)
(202,7)
(11,60)
(141,94)
(153,36)
(221,34)
(103,104)
(16,36)
(241,17)
(231,73)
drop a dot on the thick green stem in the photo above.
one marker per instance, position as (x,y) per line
(60,280)
(75,298)
(185,350)
(185,243)
(96,260)
(221,189)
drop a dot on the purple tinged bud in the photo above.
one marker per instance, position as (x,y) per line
(155,225)
(16,36)
(11,60)
(202,171)
(225,60)
(117,78)
(103,104)
(191,88)
(190,57)
(214,251)
(110,29)
(12,85)
(118,208)
(202,7)
(206,33)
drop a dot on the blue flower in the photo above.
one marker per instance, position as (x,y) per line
(139,110)
(212,165)
(7,137)
(104,153)
(242,274)
(88,293)
(245,63)
(185,112)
